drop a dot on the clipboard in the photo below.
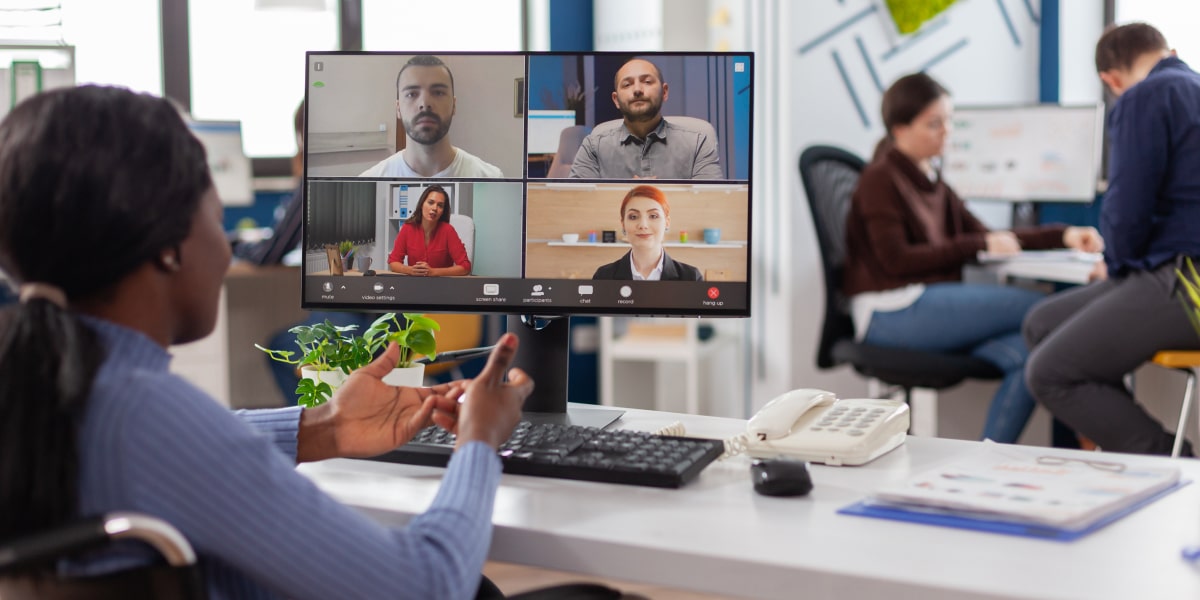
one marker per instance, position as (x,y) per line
(24,80)
(867,508)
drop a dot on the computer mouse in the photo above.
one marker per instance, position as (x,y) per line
(368,272)
(781,477)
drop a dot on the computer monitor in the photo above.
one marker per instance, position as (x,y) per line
(459,128)
(227,160)
(1040,152)
(546,128)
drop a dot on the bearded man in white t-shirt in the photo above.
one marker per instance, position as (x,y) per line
(425,104)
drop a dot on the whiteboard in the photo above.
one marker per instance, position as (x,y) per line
(1025,153)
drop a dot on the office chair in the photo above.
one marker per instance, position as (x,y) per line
(27,565)
(1187,362)
(464,226)
(830,175)
(568,146)
(458,332)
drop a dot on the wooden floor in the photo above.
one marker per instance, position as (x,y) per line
(512,579)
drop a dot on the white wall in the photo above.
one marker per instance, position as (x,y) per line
(497,211)
(1079,26)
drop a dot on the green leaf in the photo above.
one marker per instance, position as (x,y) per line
(310,394)
(417,321)
(422,342)
(283,356)
(306,335)
(1189,293)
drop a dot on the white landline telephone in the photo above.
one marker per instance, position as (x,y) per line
(813,425)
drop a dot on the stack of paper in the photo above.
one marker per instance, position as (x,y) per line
(1060,255)
(1024,491)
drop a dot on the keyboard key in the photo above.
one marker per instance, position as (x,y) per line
(582,453)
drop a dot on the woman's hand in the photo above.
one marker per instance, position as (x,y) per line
(1099,272)
(367,417)
(1085,239)
(421,269)
(491,406)
(399,267)
(1002,242)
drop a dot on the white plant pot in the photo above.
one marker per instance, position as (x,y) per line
(334,378)
(413,376)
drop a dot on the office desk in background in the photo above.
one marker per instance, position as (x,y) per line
(256,302)
(718,537)
(1054,266)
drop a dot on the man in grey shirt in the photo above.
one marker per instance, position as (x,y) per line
(644,145)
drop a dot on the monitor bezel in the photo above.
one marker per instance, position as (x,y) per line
(555,310)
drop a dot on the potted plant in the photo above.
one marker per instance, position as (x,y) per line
(346,250)
(415,336)
(329,353)
(1189,282)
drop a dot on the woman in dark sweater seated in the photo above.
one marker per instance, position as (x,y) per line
(645,219)
(908,236)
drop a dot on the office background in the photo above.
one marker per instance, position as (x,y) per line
(821,66)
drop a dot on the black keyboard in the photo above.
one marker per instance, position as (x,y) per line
(579,452)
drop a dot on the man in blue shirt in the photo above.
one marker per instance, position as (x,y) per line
(1085,340)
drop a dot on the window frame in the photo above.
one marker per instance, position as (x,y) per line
(176,60)
(177,64)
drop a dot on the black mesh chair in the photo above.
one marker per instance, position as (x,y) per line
(830,175)
(27,564)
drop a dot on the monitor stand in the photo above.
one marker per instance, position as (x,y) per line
(545,344)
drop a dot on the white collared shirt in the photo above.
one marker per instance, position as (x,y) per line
(655,275)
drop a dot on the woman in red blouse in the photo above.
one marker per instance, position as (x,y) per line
(427,245)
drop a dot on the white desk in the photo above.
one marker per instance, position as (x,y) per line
(717,536)
(1041,268)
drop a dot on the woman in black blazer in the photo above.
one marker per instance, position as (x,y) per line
(645,219)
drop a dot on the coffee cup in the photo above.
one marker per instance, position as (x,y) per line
(712,235)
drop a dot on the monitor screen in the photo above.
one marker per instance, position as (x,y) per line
(529,183)
(1041,152)
(546,128)
(227,161)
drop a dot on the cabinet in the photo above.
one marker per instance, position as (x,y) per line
(664,342)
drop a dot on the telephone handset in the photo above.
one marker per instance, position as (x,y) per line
(813,425)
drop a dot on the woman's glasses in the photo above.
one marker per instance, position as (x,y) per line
(1111,467)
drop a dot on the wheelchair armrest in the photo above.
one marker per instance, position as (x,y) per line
(94,532)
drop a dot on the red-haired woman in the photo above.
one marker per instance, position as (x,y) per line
(645,219)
